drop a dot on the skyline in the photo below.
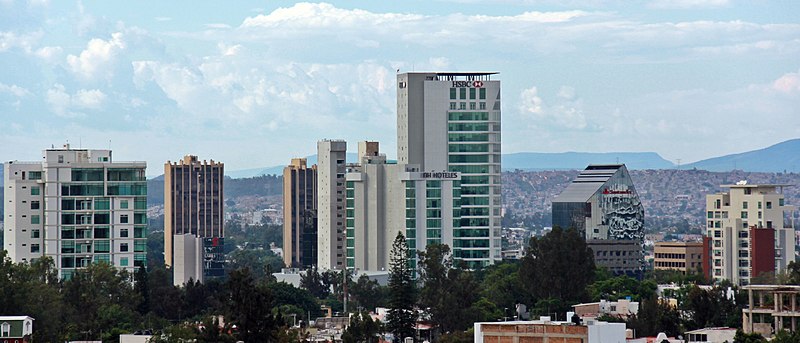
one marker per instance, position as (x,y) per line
(685,79)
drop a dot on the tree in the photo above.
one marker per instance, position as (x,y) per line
(367,294)
(501,285)
(448,292)
(655,316)
(401,317)
(742,337)
(557,269)
(249,305)
(312,281)
(361,329)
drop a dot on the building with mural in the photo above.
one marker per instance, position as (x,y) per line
(603,205)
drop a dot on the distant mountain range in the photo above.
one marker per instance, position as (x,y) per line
(781,157)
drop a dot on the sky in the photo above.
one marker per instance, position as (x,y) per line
(255,83)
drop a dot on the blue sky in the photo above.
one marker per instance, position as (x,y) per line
(265,80)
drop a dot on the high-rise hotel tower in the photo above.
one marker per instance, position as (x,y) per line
(451,122)
(78,207)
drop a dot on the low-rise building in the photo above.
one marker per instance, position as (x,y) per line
(711,335)
(686,257)
(545,330)
(622,308)
(771,308)
(16,329)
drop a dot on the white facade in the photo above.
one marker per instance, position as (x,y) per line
(187,259)
(451,122)
(731,215)
(331,159)
(77,207)
(384,199)
(592,332)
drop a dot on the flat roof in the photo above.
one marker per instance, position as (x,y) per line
(588,182)
(757,185)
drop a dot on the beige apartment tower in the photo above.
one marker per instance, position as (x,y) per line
(193,205)
(331,167)
(747,232)
(299,214)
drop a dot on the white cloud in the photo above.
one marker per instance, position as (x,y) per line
(98,57)
(530,101)
(565,114)
(788,83)
(162,19)
(688,4)
(64,105)
(14,90)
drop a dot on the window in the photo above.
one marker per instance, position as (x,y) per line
(463,93)
(34,233)
(123,247)
(123,233)
(472,105)
(769,205)
(462,105)
(35,205)
(483,106)
(35,175)
(5,330)
(759,205)
(35,190)
(123,219)
(482,93)
(748,191)
(453,105)
(472,93)
(35,219)
(34,248)
(123,262)
(780,202)
(744,215)
(123,204)
(744,205)
(452,93)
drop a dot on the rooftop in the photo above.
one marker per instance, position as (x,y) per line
(588,182)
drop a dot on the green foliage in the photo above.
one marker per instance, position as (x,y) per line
(793,273)
(677,277)
(558,267)
(501,285)
(361,329)
(401,316)
(785,336)
(367,294)
(249,305)
(261,262)
(655,316)
(710,308)
(742,337)
(448,291)
(312,281)
(287,295)
(621,287)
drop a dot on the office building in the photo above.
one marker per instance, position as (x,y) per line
(685,257)
(331,167)
(77,206)
(747,232)
(194,206)
(603,205)
(299,214)
(383,199)
(450,122)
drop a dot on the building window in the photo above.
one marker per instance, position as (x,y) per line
(123,204)
(123,219)
(744,214)
(462,105)
(472,105)
(472,93)
(35,190)
(123,262)
(463,94)
(123,247)
(453,105)
(744,205)
(35,219)
(747,191)
(5,329)
(35,205)
(123,233)
(769,205)
(34,248)
(482,93)
(452,93)
(34,233)
(759,205)
(780,202)
(483,106)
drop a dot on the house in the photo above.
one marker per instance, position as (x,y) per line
(15,329)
